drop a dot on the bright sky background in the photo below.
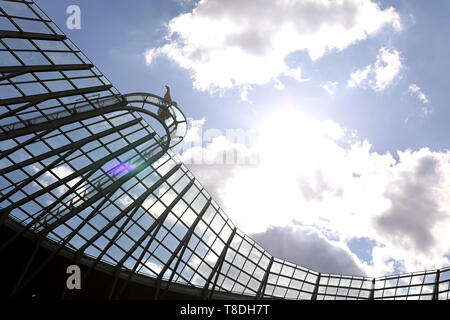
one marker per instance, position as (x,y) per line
(348,98)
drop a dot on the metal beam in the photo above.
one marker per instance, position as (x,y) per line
(37,270)
(55,123)
(92,167)
(51,95)
(5,212)
(31,178)
(37,98)
(59,122)
(110,188)
(25,143)
(181,246)
(31,35)
(135,205)
(71,148)
(262,286)
(124,212)
(217,266)
(316,288)
(157,224)
(14,71)
(74,145)
(436,285)
(372,290)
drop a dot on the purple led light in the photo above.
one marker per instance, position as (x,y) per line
(121,168)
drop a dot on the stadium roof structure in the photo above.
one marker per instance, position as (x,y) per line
(85,179)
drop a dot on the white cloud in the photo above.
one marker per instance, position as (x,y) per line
(157,268)
(244,92)
(149,55)
(295,73)
(358,78)
(235,42)
(387,67)
(330,86)
(320,175)
(415,90)
(381,74)
(278,85)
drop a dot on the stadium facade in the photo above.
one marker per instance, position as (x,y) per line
(87,177)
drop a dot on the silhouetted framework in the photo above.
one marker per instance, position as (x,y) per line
(84,175)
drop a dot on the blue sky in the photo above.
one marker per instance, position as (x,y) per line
(405,108)
(124,31)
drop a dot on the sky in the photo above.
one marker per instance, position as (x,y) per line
(319,126)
